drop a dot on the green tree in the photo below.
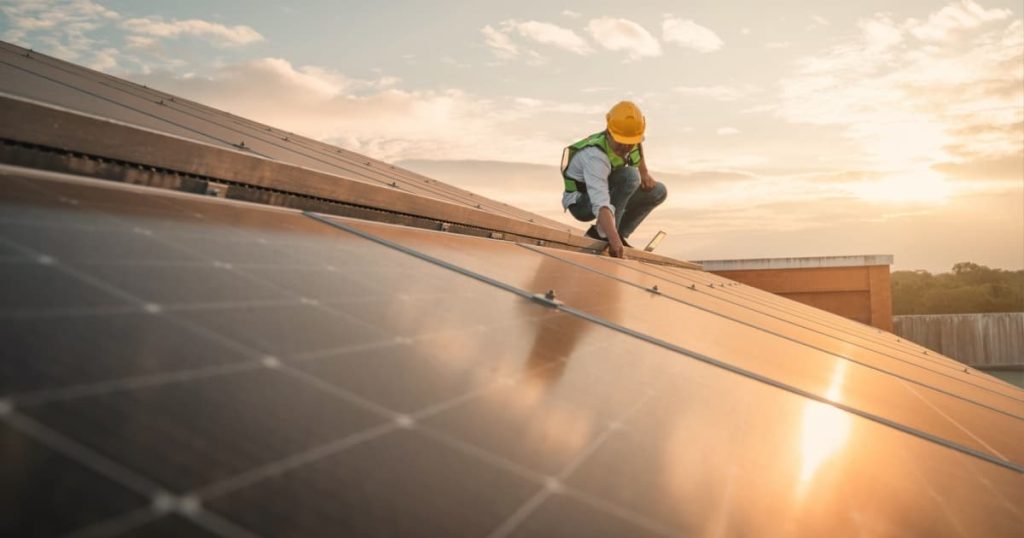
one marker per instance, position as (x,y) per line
(967,288)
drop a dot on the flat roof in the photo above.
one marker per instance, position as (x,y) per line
(814,262)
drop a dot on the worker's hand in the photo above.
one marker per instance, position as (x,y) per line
(646,182)
(615,247)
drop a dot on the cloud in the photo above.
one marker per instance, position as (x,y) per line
(90,34)
(499,42)
(624,35)
(718,93)
(554,35)
(817,21)
(218,34)
(379,118)
(688,34)
(727,131)
(913,96)
(954,19)
(62,29)
(571,14)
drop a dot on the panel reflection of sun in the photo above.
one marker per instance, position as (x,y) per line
(825,430)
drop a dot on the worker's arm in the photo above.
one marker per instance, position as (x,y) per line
(606,220)
(646,180)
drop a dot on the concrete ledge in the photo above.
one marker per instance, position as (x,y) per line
(797,263)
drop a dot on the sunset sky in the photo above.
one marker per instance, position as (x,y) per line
(780,128)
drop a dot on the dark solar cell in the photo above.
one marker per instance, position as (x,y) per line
(198,431)
(45,493)
(168,527)
(36,285)
(561,515)
(402,484)
(52,352)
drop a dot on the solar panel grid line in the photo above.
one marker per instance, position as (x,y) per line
(220,525)
(82,454)
(961,427)
(44,396)
(671,297)
(555,484)
(543,480)
(396,421)
(255,475)
(360,171)
(66,312)
(679,349)
(949,364)
(302,300)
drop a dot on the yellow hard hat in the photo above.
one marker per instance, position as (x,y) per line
(626,123)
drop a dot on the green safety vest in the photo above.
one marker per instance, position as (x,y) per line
(600,140)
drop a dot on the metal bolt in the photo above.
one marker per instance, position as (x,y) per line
(550,295)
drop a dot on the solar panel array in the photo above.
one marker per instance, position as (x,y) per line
(184,365)
(39,77)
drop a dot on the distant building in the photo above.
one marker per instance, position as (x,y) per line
(855,287)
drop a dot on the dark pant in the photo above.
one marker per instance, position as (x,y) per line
(632,205)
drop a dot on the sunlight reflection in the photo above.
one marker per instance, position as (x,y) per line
(825,430)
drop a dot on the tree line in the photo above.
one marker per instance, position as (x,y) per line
(969,288)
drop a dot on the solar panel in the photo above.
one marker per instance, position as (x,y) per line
(181,365)
(740,338)
(39,77)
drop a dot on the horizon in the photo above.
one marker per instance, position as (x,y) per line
(780,131)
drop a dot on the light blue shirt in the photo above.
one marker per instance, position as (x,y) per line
(591,166)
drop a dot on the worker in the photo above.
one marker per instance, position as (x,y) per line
(606,178)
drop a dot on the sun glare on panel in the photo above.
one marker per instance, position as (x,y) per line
(825,430)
